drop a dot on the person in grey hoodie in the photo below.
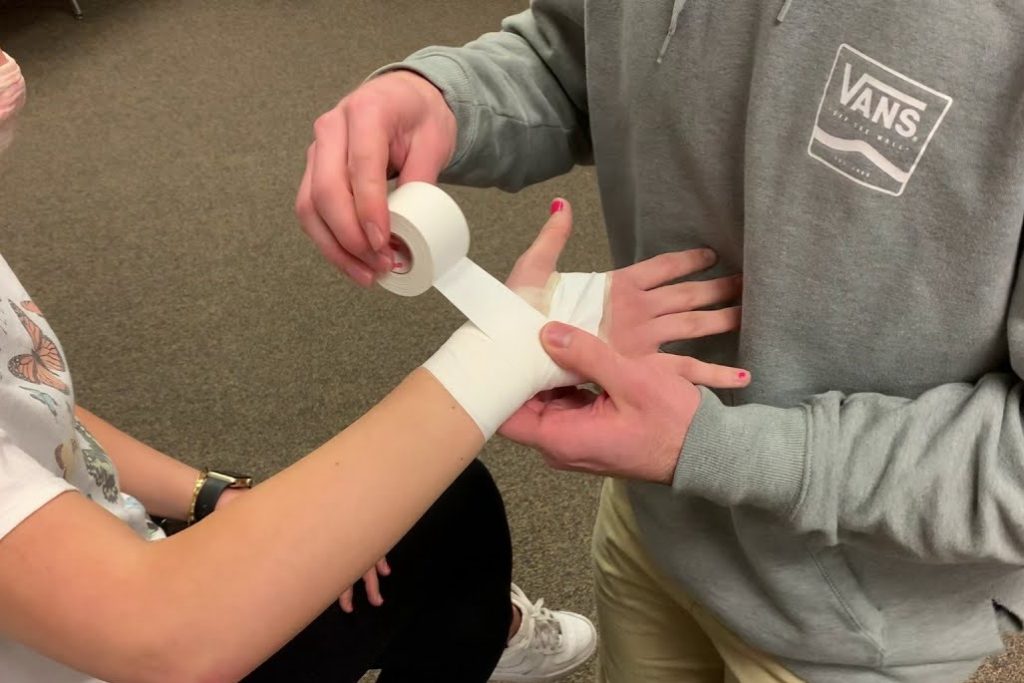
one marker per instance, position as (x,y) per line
(857,513)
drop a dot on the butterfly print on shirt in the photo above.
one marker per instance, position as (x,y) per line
(43,398)
(30,305)
(98,464)
(41,365)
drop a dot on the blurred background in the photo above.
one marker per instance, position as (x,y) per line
(147,206)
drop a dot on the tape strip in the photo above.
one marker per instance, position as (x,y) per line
(492,306)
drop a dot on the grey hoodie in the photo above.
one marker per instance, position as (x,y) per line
(855,511)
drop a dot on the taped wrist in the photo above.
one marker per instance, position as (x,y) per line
(492,377)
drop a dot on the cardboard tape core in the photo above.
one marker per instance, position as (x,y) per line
(401,256)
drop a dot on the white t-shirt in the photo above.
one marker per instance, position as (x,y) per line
(44,451)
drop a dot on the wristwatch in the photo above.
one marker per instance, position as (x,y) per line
(209,487)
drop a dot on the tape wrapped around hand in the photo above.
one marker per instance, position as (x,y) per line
(494,363)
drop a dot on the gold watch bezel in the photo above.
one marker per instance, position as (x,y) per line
(233,481)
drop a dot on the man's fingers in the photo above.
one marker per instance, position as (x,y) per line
(345,601)
(523,426)
(689,296)
(368,152)
(321,235)
(707,374)
(584,354)
(664,268)
(331,191)
(535,265)
(568,398)
(694,324)
(372,585)
(554,428)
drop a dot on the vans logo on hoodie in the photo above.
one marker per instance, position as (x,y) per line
(873,122)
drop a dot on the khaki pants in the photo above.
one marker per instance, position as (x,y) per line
(652,632)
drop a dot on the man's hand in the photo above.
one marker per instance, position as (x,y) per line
(634,430)
(398,123)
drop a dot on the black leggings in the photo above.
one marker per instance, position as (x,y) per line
(446,610)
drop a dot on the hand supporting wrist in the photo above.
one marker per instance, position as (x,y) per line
(492,377)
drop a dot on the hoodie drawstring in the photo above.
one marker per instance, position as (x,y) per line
(677,8)
(782,12)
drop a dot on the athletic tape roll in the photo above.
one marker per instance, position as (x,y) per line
(434,237)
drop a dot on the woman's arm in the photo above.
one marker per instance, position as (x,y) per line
(211,603)
(162,484)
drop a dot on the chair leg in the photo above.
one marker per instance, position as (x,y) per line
(76,9)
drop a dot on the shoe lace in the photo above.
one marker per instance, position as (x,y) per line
(547,631)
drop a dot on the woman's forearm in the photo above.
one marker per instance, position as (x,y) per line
(312,530)
(162,484)
(212,602)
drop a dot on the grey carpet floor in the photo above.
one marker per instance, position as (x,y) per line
(147,206)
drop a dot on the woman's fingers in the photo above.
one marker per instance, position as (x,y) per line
(706,374)
(693,295)
(664,268)
(372,585)
(345,601)
(693,324)
(540,260)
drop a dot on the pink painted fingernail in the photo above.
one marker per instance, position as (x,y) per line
(557,205)
(743,374)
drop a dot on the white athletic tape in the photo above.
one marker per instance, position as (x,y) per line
(493,364)
(435,232)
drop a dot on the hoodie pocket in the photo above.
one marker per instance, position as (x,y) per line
(847,591)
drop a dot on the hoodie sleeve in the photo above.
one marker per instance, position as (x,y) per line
(939,478)
(519,97)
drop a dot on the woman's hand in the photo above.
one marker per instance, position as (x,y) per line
(371,582)
(641,310)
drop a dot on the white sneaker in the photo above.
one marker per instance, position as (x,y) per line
(548,645)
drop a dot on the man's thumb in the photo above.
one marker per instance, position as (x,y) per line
(583,354)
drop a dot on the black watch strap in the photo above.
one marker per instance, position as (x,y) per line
(212,487)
